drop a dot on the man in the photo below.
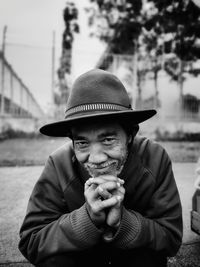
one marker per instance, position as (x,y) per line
(107,197)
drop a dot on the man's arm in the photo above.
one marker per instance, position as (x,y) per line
(160,228)
(49,227)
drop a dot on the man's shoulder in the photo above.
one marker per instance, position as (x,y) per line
(63,152)
(145,145)
(151,153)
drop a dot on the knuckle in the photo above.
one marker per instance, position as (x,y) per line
(100,189)
(95,209)
(122,190)
(86,194)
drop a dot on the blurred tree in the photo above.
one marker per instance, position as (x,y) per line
(70,16)
(117,23)
(176,23)
(167,32)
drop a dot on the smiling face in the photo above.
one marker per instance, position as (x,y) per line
(101,147)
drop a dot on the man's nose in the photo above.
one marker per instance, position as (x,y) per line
(97,154)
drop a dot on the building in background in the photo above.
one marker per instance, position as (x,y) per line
(18,108)
(177,113)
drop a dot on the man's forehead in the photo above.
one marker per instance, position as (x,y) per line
(100,127)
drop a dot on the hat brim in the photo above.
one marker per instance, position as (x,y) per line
(62,128)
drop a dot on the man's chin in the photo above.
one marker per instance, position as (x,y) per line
(100,172)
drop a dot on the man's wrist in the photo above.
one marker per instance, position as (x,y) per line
(110,232)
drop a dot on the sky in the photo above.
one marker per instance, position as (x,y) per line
(29,40)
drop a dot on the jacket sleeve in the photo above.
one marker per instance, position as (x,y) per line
(160,226)
(48,228)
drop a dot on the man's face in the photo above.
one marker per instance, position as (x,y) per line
(101,147)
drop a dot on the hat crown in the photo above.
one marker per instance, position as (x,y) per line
(98,86)
(97,94)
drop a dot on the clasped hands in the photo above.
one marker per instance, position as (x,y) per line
(104,196)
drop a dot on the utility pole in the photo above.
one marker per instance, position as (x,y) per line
(137,99)
(3,70)
(53,68)
(4,39)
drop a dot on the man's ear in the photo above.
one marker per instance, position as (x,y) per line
(133,134)
(135,130)
(70,135)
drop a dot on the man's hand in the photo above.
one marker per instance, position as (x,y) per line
(113,217)
(105,193)
(115,213)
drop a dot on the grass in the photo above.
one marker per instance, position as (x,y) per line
(184,151)
(27,151)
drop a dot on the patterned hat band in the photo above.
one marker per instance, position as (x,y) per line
(95,107)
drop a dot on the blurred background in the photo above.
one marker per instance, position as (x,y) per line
(152,46)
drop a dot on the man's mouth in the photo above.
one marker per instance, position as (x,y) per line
(104,168)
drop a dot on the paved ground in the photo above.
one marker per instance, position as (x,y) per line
(26,177)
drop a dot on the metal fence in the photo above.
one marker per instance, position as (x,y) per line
(15,98)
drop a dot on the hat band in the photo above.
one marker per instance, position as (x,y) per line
(95,107)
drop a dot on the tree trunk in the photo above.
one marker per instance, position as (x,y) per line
(180,82)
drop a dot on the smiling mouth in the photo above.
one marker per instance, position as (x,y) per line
(105,168)
(102,166)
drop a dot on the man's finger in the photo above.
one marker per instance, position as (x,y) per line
(102,179)
(110,185)
(107,203)
(104,193)
(112,178)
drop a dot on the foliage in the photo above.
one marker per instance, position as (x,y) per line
(176,22)
(163,34)
(70,16)
(179,21)
(151,27)
(117,23)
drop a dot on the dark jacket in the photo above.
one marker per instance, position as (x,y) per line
(57,230)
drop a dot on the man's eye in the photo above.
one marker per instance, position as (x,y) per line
(81,144)
(108,141)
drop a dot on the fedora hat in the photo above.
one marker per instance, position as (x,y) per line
(96,94)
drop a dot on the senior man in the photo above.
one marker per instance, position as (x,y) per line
(108,196)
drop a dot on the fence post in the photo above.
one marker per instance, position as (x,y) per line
(2,85)
(11,94)
(3,71)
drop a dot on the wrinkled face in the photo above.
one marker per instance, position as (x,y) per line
(101,147)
